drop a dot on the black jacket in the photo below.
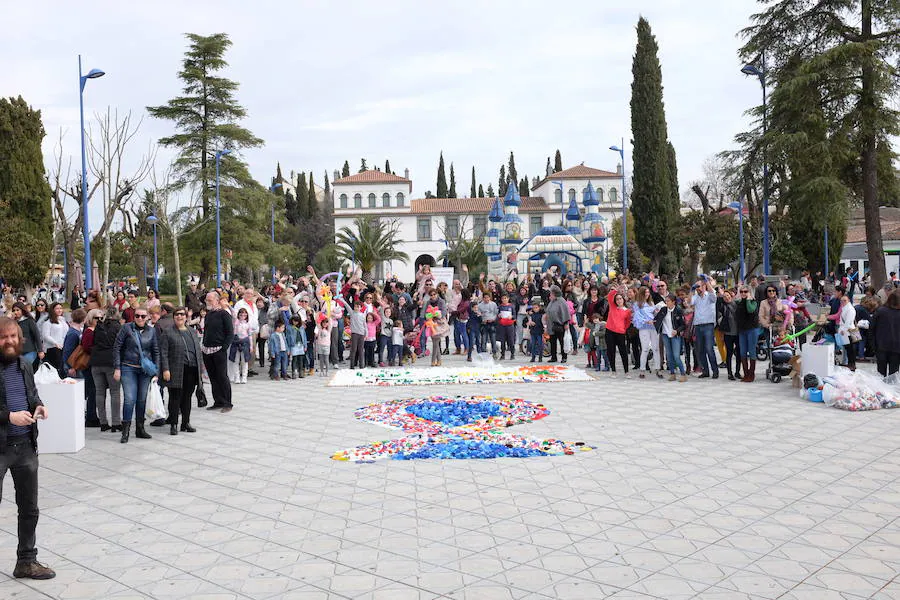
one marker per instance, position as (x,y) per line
(126,349)
(34,400)
(105,334)
(677,319)
(31,334)
(887,329)
(218,329)
(173,356)
(747,317)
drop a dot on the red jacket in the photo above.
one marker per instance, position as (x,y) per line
(619,318)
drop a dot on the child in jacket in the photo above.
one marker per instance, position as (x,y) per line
(278,352)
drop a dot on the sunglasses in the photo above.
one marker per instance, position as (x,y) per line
(744,292)
(180,314)
(771,291)
(140,316)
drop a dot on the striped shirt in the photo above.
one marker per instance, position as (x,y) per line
(16,397)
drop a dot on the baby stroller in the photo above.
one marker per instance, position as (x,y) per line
(781,352)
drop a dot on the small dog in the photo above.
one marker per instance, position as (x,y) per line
(796,371)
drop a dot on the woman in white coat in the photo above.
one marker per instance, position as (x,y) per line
(845,324)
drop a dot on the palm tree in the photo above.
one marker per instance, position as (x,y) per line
(466,252)
(369,242)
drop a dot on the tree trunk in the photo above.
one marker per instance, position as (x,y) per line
(177,258)
(69,242)
(874,245)
(107,249)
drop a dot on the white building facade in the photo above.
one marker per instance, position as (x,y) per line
(425,223)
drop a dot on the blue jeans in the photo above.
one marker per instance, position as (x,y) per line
(537,346)
(706,348)
(135,384)
(488,336)
(747,343)
(280,362)
(395,353)
(474,330)
(461,334)
(30,357)
(673,353)
(384,343)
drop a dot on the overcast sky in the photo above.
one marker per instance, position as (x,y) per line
(327,81)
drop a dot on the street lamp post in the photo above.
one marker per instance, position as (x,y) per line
(152,220)
(621,151)
(760,73)
(219,155)
(272,189)
(85,223)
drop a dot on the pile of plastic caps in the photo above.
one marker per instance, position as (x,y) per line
(448,376)
(852,390)
(457,427)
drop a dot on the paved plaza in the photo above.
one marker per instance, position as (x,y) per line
(705,489)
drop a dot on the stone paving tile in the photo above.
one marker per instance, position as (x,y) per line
(691,493)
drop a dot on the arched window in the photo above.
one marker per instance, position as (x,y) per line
(372,200)
(599,191)
(571,194)
(343,200)
(612,194)
(357,201)
(557,196)
(386,200)
(584,193)
(400,199)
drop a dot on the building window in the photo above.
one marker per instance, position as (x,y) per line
(386,200)
(557,196)
(599,194)
(536,223)
(479,227)
(343,200)
(372,200)
(451,227)
(357,201)
(423,226)
(612,194)
(571,194)
(400,199)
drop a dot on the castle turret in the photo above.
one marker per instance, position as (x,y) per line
(512,222)
(492,238)
(593,229)
(573,216)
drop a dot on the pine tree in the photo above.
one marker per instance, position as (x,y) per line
(480,191)
(302,198)
(523,187)
(451,193)
(387,167)
(24,195)
(651,193)
(473,191)
(490,191)
(206,118)
(502,181)
(362,166)
(345,172)
(441,179)
(312,206)
(557,164)
(511,170)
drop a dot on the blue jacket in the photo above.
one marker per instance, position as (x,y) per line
(125,350)
(73,339)
(643,316)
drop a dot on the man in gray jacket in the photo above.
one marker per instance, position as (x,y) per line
(557,322)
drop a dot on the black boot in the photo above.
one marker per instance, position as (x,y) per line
(140,432)
(126,431)
(173,429)
(187,427)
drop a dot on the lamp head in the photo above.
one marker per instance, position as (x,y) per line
(223,152)
(615,149)
(274,187)
(751,70)
(94,74)
(152,219)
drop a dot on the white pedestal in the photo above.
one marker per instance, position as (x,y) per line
(818,359)
(63,430)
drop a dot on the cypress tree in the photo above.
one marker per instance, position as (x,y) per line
(557,164)
(480,191)
(345,172)
(452,192)
(549,168)
(387,167)
(651,197)
(501,181)
(24,195)
(473,191)
(302,198)
(290,208)
(362,165)
(441,179)
(523,187)
(675,199)
(490,191)
(511,171)
(278,176)
(312,206)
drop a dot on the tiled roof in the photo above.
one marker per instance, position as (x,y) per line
(371,176)
(577,172)
(857,234)
(428,206)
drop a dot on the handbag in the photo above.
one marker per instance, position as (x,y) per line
(79,359)
(264,332)
(156,408)
(147,365)
(855,336)
(201,396)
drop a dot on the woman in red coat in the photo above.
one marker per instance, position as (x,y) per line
(617,323)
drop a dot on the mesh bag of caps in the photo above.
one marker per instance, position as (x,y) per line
(854,391)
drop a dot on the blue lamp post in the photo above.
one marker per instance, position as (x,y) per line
(621,150)
(219,155)
(86,227)
(272,189)
(760,73)
(153,220)
(739,206)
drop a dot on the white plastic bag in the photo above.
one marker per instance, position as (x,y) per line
(483,359)
(567,342)
(156,408)
(46,373)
